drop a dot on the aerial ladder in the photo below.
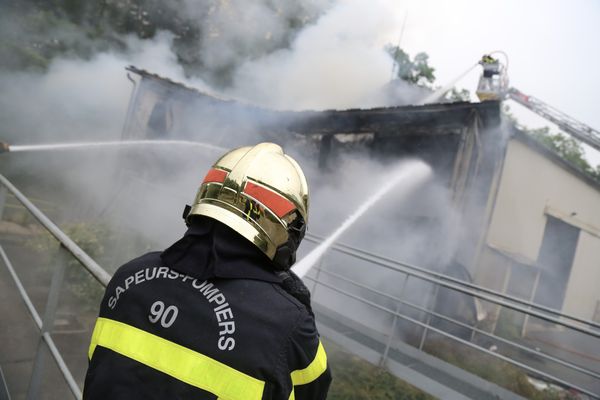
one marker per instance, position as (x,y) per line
(493,85)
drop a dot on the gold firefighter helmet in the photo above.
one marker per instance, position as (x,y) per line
(262,194)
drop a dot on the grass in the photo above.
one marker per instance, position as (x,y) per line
(492,369)
(356,379)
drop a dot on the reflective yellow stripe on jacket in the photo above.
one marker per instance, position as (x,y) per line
(177,361)
(317,366)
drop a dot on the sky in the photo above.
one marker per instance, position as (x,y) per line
(552,48)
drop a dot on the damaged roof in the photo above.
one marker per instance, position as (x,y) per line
(443,118)
(391,120)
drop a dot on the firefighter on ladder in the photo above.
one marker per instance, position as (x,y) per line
(218,315)
(491,66)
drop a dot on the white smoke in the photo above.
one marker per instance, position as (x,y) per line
(80,99)
(336,63)
(410,174)
(235,30)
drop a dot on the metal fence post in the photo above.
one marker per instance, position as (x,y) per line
(3,193)
(499,308)
(394,323)
(474,329)
(4,394)
(316,281)
(425,329)
(47,323)
(536,282)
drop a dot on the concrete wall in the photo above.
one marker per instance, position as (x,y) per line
(533,185)
(583,290)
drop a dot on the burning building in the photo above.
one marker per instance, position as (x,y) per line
(528,221)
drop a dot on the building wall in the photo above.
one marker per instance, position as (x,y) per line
(582,292)
(533,186)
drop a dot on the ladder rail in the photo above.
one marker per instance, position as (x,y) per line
(577,129)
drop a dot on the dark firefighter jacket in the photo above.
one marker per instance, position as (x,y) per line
(205,319)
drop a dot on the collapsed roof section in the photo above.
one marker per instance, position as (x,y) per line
(433,132)
(394,121)
(162,108)
(462,142)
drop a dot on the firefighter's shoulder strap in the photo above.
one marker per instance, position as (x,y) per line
(182,363)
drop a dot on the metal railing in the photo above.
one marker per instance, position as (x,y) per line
(469,288)
(453,321)
(45,323)
(556,317)
(320,276)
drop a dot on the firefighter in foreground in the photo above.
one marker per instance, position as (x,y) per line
(218,314)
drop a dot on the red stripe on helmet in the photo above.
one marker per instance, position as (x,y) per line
(273,201)
(215,175)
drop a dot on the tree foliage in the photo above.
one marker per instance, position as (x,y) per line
(456,95)
(416,71)
(567,147)
(562,144)
(33,32)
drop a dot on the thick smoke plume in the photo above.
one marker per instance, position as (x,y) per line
(237,30)
(336,61)
(79,99)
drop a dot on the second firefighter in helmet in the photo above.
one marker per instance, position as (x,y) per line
(262,194)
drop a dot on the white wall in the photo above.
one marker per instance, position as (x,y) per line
(583,290)
(533,186)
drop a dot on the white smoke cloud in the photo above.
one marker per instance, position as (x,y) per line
(80,99)
(335,63)
(235,29)
(338,61)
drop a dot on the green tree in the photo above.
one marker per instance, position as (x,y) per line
(564,145)
(455,95)
(416,71)
(567,147)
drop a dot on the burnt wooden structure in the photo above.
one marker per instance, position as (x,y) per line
(463,142)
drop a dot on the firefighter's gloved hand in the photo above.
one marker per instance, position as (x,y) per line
(292,284)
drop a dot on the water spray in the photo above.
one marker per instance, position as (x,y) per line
(437,95)
(84,145)
(410,174)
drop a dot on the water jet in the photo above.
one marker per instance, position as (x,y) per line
(118,143)
(411,174)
